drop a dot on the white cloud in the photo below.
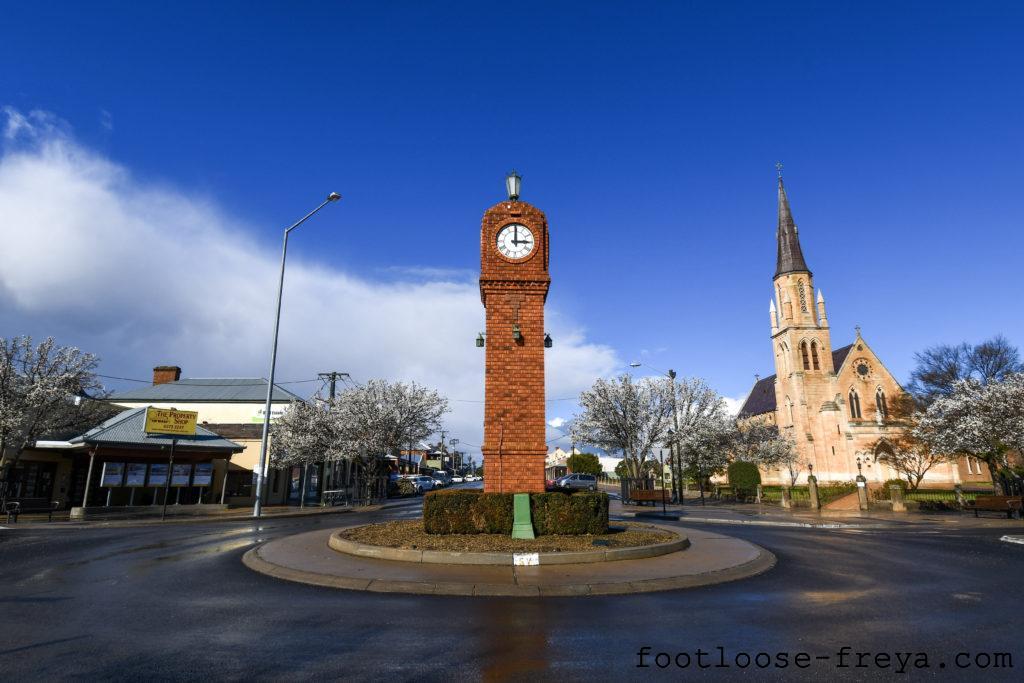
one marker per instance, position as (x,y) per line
(733,405)
(557,422)
(146,275)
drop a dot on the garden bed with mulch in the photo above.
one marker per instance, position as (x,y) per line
(409,535)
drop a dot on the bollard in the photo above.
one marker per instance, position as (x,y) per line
(812,490)
(759,494)
(896,494)
(862,492)
(958,491)
(785,498)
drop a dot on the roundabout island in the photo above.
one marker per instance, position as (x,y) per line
(680,558)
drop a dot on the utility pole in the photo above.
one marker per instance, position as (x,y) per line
(331,378)
(442,448)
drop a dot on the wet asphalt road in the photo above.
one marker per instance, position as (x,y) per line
(175,602)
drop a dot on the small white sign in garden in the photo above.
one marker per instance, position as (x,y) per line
(525,559)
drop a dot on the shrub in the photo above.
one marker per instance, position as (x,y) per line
(744,478)
(475,512)
(575,514)
(584,463)
(404,487)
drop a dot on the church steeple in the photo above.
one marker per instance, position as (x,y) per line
(790,256)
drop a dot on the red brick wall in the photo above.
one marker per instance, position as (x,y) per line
(164,374)
(514,412)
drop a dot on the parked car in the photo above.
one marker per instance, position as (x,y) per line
(422,482)
(457,479)
(578,482)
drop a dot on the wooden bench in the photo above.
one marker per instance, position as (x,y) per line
(1010,505)
(653,496)
(14,508)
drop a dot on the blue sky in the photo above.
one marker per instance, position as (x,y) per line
(648,132)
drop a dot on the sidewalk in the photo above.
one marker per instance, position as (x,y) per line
(716,512)
(61,520)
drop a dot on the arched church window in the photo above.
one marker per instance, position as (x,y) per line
(814,355)
(854,405)
(880,404)
(804,356)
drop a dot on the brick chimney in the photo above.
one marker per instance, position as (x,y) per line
(163,374)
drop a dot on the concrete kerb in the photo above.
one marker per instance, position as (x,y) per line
(343,545)
(640,577)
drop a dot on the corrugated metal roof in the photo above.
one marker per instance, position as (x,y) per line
(128,429)
(207,390)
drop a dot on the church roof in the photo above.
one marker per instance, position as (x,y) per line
(790,256)
(761,398)
(839,356)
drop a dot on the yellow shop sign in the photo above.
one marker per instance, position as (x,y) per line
(177,422)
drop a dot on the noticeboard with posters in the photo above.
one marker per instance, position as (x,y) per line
(158,474)
(113,474)
(136,474)
(181,473)
(203,475)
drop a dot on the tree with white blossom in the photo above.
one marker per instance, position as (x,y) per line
(984,421)
(361,424)
(696,405)
(45,390)
(704,448)
(764,445)
(305,433)
(625,416)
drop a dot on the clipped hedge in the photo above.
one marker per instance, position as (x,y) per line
(467,512)
(475,512)
(565,514)
(744,478)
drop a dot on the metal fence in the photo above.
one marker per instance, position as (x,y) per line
(628,484)
(360,491)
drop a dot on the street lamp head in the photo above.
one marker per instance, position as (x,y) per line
(513,182)
(333,197)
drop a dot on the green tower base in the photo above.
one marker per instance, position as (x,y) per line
(522,524)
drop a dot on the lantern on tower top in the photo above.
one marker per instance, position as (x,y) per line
(513,181)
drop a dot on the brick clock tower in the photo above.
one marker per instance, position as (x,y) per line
(514,283)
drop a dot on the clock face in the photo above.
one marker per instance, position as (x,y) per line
(515,241)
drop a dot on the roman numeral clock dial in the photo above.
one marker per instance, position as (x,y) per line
(515,241)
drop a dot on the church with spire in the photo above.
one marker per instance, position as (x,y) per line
(833,402)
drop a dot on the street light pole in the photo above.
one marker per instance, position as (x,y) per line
(673,450)
(261,473)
